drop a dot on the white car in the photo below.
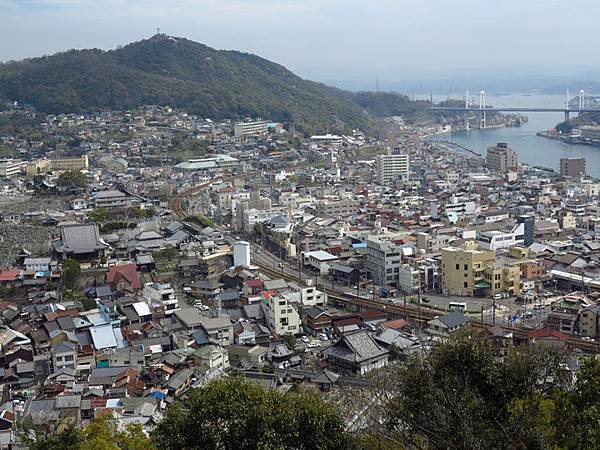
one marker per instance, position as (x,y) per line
(313,345)
(305,339)
(323,337)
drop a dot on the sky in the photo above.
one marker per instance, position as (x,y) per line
(327,39)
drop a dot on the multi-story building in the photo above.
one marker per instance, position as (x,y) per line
(114,199)
(42,166)
(572,167)
(311,296)
(391,167)
(335,208)
(11,167)
(281,316)
(495,240)
(383,261)
(463,269)
(254,128)
(501,158)
(161,296)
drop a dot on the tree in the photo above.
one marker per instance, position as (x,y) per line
(72,179)
(102,433)
(233,413)
(71,271)
(461,385)
(578,410)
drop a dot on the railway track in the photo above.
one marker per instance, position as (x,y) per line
(416,314)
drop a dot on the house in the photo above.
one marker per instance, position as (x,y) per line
(124,278)
(447,324)
(240,355)
(180,382)
(356,353)
(39,264)
(64,355)
(345,274)
(161,297)
(80,241)
(316,320)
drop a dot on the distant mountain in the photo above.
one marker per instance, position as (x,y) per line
(172,71)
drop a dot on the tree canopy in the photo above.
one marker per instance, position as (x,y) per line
(72,179)
(233,413)
(71,271)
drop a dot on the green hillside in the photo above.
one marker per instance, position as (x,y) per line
(212,83)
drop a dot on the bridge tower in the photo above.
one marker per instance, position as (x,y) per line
(581,100)
(567,107)
(467,126)
(482,114)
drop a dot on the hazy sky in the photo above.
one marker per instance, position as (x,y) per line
(323,39)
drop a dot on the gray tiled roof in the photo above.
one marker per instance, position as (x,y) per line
(79,238)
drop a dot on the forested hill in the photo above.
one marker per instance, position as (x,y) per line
(178,72)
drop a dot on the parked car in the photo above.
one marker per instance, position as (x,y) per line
(305,339)
(313,344)
(323,337)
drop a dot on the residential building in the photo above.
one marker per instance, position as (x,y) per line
(463,269)
(496,240)
(501,158)
(572,167)
(281,316)
(447,324)
(162,298)
(11,167)
(391,167)
(383,261)
(253,128)
(336,208)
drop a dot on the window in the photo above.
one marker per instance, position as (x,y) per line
(457,266)
(466,284)
(466,267)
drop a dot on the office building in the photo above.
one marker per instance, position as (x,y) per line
(281,316)
(391,167)
(258,127)
(572,167)
(501,158)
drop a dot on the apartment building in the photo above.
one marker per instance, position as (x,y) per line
(336,208)
(281,316)
(383,261)
(501,158)
(254,128)
(11,167)
(572,167)
(463,269)
(391,167)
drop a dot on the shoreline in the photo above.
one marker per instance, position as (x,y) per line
(567,139)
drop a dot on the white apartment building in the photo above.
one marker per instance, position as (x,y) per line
(161,296)
(11,167)
(390,167)
(257,127)
(281,316)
